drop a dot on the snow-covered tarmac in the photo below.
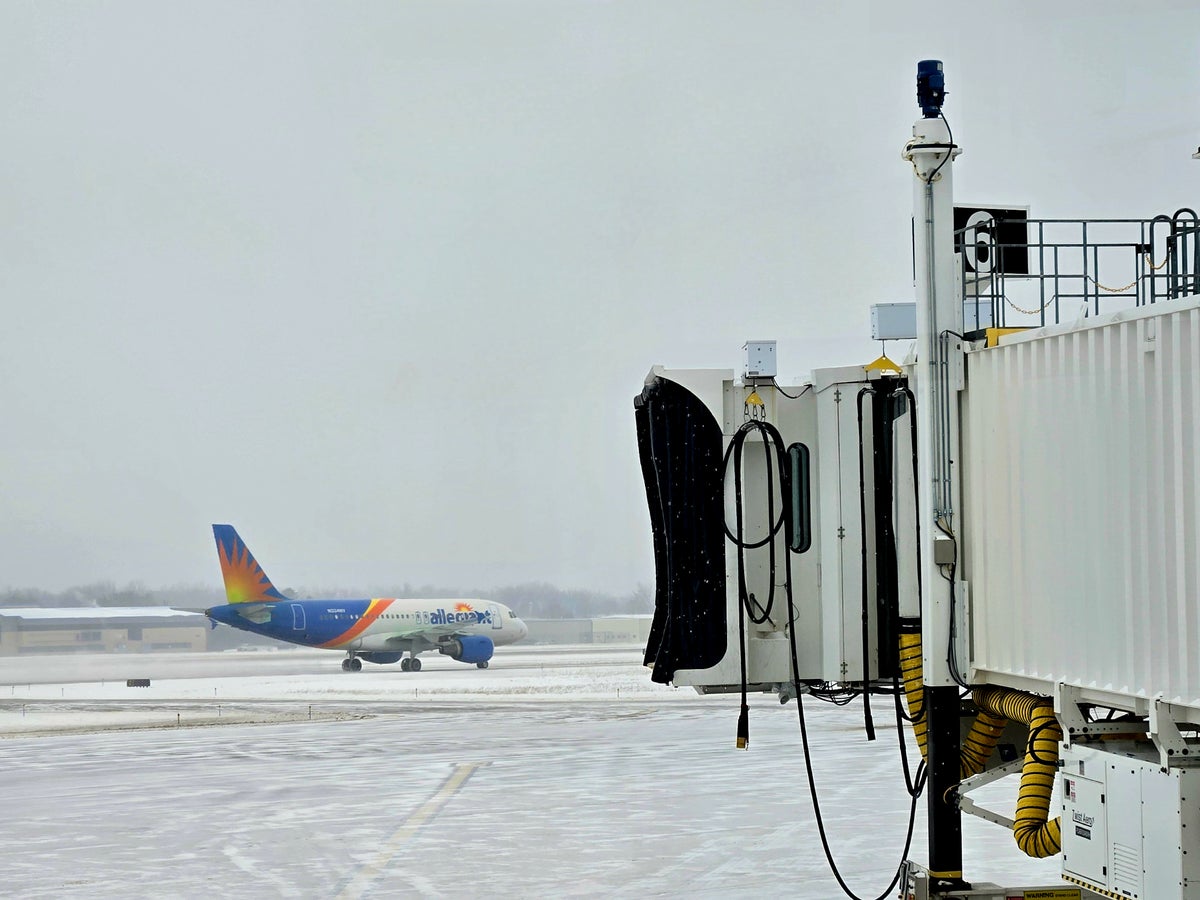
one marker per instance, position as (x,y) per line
(557,772)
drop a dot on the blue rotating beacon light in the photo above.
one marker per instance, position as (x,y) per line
(931,87)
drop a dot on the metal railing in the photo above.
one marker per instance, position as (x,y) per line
(1046,271)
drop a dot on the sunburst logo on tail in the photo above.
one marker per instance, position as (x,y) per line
(245,581)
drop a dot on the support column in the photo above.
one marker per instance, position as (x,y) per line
(939,378)
(945,820)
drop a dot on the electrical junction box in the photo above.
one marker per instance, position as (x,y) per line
(894,322)
(760,359)
(1130,829)
(898,321)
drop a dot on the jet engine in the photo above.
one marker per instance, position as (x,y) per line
(470,648)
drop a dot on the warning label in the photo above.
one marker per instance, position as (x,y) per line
(1055,894)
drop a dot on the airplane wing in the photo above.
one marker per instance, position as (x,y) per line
(431,632)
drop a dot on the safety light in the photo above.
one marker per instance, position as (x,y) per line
(931,87)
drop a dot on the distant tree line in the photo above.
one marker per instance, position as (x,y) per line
(533,600)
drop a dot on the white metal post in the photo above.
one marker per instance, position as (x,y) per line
(939,379)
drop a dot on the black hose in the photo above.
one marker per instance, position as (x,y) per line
(903,390)
(915,784)
(868,721)
(748,604)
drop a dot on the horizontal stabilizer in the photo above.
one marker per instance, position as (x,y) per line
(259,613)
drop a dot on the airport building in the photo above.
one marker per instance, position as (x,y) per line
(27,630)
(631,629)
(621,629)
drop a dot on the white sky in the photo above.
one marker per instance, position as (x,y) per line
(377,282)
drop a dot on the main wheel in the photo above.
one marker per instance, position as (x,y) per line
(416,665)
(406,665)
(356,665)
(346,665)
(481,665)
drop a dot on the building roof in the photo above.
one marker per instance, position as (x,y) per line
(96,612)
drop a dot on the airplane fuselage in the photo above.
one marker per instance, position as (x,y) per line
(377,627)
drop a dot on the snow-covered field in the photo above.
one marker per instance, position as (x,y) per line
(557,772)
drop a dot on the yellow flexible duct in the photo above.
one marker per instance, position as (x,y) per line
(914,687)
(981,741)
(1035,833)
(985,731)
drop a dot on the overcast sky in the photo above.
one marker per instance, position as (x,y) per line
(377,282)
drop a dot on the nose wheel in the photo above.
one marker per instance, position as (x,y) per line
(481,665)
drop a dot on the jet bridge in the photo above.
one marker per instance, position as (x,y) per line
(1007,526)
(720,598)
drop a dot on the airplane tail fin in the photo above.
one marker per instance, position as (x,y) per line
(245,581)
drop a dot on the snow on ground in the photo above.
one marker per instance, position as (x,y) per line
(190,689)
(555,773)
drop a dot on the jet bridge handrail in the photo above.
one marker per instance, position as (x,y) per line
(1018,272)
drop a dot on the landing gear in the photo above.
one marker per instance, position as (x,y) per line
(410,664)
(481,665)
(351,664)
(416,664)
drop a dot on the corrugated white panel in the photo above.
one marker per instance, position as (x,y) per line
(1081,450)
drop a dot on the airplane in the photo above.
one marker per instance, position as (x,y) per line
(379,630)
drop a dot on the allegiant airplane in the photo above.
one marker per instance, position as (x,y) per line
(379,630)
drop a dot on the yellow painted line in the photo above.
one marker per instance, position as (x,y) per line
(423,814)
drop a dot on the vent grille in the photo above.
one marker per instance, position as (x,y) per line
(1127,869)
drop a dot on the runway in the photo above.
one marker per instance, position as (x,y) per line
(555,773)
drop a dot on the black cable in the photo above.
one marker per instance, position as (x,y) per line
(913,784)
(739,440)
(952,642)
(735,449)
(902,390)
(761,613)
(743,725)
(915,793)
(1035,734)
(949,150)
(836,696)
(952,649)
(918,783)
(806,389)
(771,435)
(868,721)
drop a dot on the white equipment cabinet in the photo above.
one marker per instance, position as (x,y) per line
(1129,827)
